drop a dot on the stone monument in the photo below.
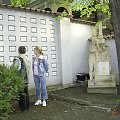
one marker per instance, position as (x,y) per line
(102,79)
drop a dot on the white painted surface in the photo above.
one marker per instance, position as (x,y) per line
(79,48)
(66,44)
(66,55)
(21,31)
(114,61)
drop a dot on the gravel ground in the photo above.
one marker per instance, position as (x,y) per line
(66,110)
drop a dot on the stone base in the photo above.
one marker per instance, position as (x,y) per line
(107,90)
(102,84)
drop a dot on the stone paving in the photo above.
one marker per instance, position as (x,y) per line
(72,103)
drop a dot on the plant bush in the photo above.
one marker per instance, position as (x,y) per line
(10,85)
(21,3)
(116,106)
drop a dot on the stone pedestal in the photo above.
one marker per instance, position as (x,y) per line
(106,90)
(104,81)
(102,78)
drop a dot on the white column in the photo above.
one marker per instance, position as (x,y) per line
(66,54)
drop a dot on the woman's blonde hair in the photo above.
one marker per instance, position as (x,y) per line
(38,48)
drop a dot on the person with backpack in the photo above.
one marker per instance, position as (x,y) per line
(23,65)
(40,68)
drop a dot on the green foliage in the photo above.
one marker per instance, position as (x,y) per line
(85,7)
(63,14)
(20,3)
(116,106)
(88,8)
(10,85)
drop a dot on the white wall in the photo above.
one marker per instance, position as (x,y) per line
(69,41)
(44,31)
(65,48)
(114,61)
(79,47)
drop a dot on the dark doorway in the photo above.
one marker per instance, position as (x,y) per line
(48,9)
(61,9)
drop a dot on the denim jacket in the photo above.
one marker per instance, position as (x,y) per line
(42,65)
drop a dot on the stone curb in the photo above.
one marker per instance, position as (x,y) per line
(71,100)
(56,88)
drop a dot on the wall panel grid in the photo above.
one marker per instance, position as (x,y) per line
(30,30)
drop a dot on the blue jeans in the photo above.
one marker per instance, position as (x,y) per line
(40,84)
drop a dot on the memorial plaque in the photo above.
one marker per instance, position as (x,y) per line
(44,48)
(33,20)
(53,48)
(1,37)
(43,30)
(33,29)
(11,58)
(52,39)
(22,19)
(1,17)
(43,39)
(2,59)
(53,56)
(1,27)
(11,18)
(54,73)
(52,31)
(43,21)
(34,39)
(103,68)
(11,27)
(1,48)
(23,29)
(23,38)
(12,48)
(11,38)
(54,65)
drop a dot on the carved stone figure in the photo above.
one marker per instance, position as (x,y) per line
(93,50)
(101,75)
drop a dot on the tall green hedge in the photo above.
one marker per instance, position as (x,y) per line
(10,85)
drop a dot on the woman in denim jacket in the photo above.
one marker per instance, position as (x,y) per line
(40,68)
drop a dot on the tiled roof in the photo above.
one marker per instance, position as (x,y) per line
(109,36)
(82,21)
(27,9)
(46,12)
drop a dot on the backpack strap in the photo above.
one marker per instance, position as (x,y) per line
(20,58)
(17,62)
(23,67)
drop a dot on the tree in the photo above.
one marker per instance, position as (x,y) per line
(115,10)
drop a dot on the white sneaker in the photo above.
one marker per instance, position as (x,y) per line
(38,102)
(44,104)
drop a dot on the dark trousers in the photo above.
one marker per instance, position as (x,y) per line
(24,99)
